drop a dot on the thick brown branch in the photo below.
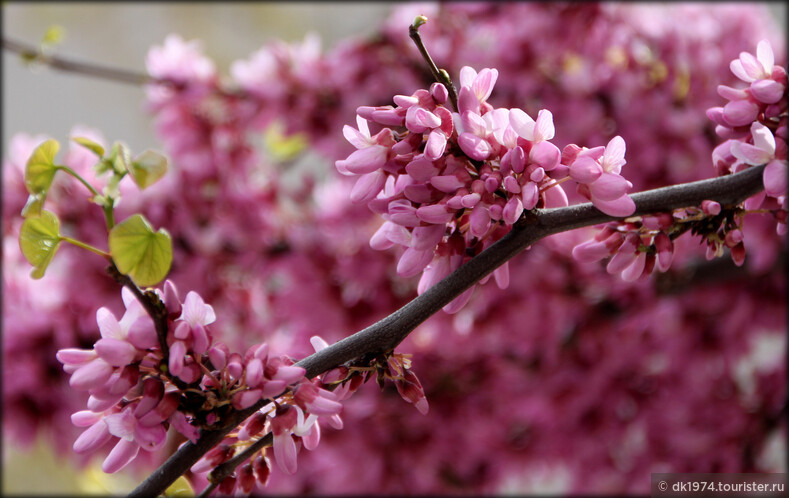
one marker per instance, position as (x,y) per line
(386,334)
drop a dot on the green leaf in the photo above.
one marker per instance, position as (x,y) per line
(39,239)
(180,487)
(140,252)
(40,169)
(147,168)
(90,144)
(121,158)
(33,205)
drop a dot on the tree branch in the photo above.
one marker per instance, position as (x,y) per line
(154,307)
(387,333)
(225,469)
(30,53)
(438,74)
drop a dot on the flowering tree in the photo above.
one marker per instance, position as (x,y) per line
(596,356)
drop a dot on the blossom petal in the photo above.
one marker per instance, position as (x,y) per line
(474,123)
(522,123)
(367,187)
(195,311)
(636,268)
(475,147)
(289,374)
(545,154)
(585,170)
(120,456)
(467,101)
(775,178)
(90,375)
(312,437)
(479,220)
(530,195)
(739,71)
(614,155)
(502,276)
(590,251)
(355,137)
(467,76)
(318,343)
(413,261)
(767,91)
(512,210)
(749,154)
(555,197)
(115,351)
(751,65)
(285,452)
(122,424)
(422,168)
(428,237)
(446,183)
(92,438)
(484,82)
(365,160)
(435,213)
(544,129)
(436,144)
(764,54)
(763,138)
(108,324)
(621,207)
(457,304)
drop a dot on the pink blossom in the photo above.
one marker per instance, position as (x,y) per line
(749,68)
(180,61)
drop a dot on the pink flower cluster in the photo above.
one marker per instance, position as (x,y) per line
(754,124)
(644,243)
(295,420)
(135,398)
(450,184)
(123,403)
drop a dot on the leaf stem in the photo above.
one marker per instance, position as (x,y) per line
(78,177)
(85,246)
(109,216)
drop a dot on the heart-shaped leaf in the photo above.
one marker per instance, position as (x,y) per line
(147,168)
(40,169)
(39,239)
(90,144)
(140,252)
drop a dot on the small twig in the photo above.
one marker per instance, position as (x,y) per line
(155,309)
(387,333)
(222,471)
(440,75)
(30,53)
